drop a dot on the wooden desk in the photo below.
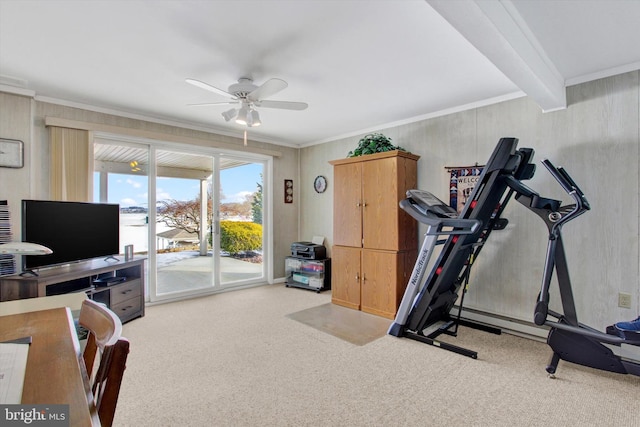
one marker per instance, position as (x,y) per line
(55,370)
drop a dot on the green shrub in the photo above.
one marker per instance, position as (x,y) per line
(236,236)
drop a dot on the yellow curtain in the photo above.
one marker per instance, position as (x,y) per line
(71,164)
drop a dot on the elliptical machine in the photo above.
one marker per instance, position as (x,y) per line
(570,340)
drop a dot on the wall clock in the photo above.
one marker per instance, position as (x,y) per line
(11,153)
(320,184)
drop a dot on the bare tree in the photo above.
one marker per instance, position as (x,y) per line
(241,209)
(184,215)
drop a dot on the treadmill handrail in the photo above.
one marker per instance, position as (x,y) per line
(459,225)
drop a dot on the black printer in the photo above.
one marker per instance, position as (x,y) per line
(308,250)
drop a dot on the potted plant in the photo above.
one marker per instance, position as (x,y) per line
(373,143)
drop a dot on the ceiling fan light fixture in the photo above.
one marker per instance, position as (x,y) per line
(228,115)
(241,119)
(247,95)
(253,119)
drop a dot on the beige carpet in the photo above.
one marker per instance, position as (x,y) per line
(238,359)
(350,325)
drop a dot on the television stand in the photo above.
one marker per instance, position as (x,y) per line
(124,294)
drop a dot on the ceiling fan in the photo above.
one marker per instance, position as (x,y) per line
(248,96)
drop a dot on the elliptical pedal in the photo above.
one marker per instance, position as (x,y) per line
(630,337)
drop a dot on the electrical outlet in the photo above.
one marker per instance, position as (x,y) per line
(624,300)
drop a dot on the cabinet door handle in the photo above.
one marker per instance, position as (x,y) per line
(357,277)
(126,292)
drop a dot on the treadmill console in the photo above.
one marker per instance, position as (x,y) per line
(430,204)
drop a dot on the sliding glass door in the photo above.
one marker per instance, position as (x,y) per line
(121,176)
(240,222)
(184,259)
(196,215)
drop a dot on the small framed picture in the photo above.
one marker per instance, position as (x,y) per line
(288,191)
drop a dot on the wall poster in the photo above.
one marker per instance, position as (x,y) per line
(461,184)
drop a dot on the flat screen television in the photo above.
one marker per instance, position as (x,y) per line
(74,231)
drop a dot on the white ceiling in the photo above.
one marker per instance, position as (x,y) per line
(360,65)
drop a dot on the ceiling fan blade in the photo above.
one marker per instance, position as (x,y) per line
(286,105)
(212,104)
(206,86)
(267,89)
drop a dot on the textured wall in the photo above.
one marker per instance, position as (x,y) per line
(15,118)
(596,139)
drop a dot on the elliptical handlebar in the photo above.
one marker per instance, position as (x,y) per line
(568,184)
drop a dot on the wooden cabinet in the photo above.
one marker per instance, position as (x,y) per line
(124,295)
(385,275)
(375,242)
(346,276)
(370,280)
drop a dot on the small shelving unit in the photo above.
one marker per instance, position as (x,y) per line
(312,274)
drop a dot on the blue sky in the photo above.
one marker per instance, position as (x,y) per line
(131,190)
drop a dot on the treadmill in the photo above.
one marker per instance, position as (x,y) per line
(426,302)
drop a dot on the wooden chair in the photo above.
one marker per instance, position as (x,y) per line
(106,386)
(106,345)
(104,328)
